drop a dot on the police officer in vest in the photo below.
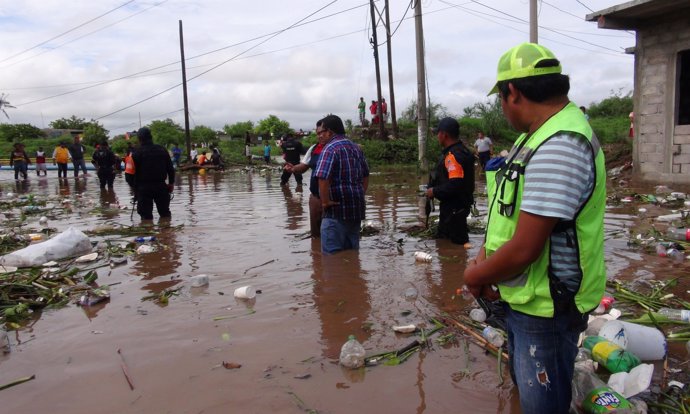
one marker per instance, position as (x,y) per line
(544,245)
(452,183)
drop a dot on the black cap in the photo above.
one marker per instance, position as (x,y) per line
(449,125)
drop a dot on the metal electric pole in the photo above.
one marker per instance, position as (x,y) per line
(188,138)
(422,121)
(394,121)
(375,45)
(533,22)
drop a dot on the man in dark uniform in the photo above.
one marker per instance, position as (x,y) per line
(152,166)
(452,183)
(292,149)
(105,161)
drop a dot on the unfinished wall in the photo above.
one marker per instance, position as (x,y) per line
(662,149)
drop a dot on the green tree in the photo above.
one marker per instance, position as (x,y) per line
(19,132)
(238,129)
(69,123)
(94,133)
(615,105)
(166,132)
(202,133)
(435,111)
(492,121)
(273,125)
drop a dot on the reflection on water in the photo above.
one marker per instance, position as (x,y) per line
(243,228)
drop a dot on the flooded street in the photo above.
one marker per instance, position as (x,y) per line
(242,228)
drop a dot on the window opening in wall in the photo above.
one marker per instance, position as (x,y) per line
(683,91)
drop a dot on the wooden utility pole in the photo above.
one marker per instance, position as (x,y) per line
(375,45)
(533,22)
(422,122)
(394,121)
(188,137)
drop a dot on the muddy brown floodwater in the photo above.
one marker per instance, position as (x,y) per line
(243,228)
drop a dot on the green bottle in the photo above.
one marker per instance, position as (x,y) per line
(593,396)
(610,355)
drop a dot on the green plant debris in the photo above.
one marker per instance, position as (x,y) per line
(17,382)
(162,298)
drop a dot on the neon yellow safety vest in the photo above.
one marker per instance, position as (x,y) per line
(529,292)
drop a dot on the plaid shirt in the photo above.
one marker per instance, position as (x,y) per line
(343,162)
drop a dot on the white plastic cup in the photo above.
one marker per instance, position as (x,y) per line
(245,292)
(199,281)
(478,314)
(648,344)
(422,256)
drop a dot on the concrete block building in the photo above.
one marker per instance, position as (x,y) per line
(661,100)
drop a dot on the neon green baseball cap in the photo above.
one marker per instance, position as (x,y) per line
(520,61)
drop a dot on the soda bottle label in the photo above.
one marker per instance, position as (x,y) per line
(687,234)
(604,399)
(602,350)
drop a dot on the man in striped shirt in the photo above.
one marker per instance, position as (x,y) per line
(343,176)
(544,244)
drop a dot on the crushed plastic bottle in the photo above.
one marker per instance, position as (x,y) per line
(682,234)
(422,256)
(593,396)
(494,337)
(352,353)
(681,315)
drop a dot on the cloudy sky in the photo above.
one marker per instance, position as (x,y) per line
(118,61)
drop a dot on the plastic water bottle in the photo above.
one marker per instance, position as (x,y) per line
(675,255)
(142,239)
(681,315)
(352,353)
(593,396)
(494,337)
(682,234)
(610,355)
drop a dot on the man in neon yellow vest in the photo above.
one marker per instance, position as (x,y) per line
(544,240)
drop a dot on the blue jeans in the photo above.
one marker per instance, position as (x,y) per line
(542,354)
(77,164)
(339,235)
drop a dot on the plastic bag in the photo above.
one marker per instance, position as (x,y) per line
(69,243)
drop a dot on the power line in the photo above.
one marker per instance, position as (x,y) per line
(193,57)
(520,20)
(586,7)
(68,31)
(84,35)
(222,63)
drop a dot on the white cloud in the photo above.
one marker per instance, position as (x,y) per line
(299,75)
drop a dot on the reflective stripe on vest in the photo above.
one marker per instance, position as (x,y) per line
(129,165)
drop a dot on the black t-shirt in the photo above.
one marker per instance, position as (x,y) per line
(153,165)
(104,159)
(293,149)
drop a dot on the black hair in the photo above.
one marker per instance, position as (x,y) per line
(333,123)
(539,88)
(144,135)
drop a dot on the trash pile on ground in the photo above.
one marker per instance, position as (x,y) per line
(41,268)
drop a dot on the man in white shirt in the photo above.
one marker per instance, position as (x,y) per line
(484,148)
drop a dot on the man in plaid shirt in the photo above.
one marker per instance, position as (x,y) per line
(343,176)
